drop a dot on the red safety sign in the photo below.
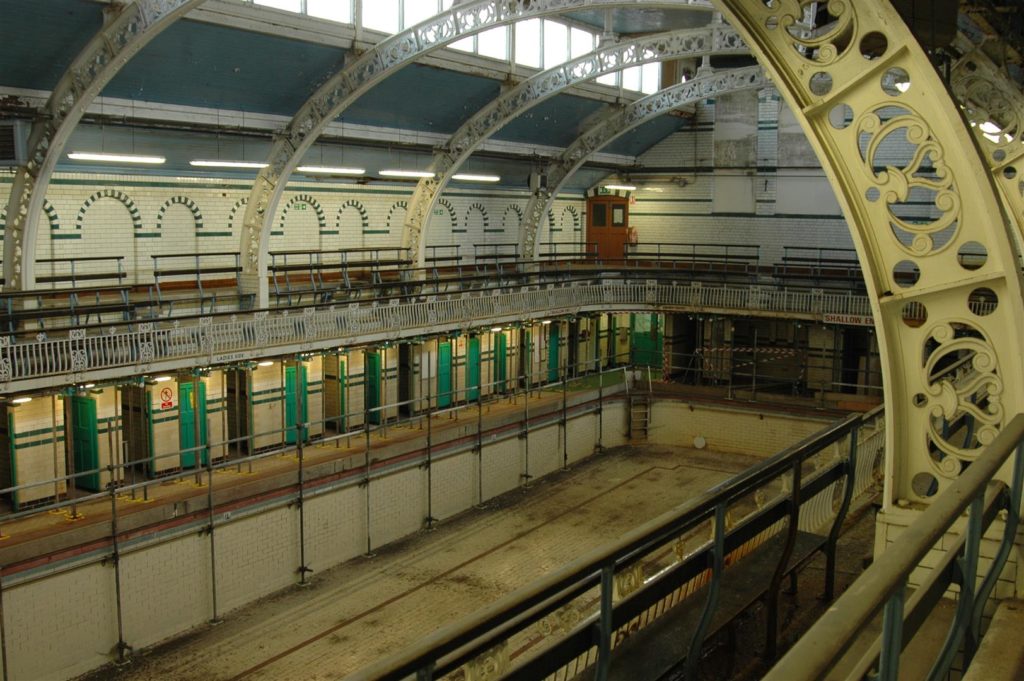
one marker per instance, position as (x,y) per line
(166,398)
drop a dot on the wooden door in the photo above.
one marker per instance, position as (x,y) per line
(608,225)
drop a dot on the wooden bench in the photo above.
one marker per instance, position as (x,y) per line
(820,265)
(74,266)
(321,275)
(563,251)
(77,305)
(711,257)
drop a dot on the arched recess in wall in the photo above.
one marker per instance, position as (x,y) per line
(305,200)
(129,204)
(453,218)
(233,215)
(357,222)
(396,214)
(838,79)
(512,219)
(571,219)
(193,208)
(476,222)
(51,217)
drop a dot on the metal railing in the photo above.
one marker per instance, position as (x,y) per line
(883,586)
(165,344)
(608,592)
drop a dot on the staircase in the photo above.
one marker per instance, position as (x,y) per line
(639,416)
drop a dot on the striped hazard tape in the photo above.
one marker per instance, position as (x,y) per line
(778,352)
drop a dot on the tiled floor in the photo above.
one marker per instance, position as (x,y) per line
(369,607)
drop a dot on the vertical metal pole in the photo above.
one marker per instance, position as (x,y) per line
(122,647)
(480,423)
(366,472)
(526,436)
(430,443)
(753,378)
(565,416)
(717,567)
(3,628)
(300,435)
(69,439)
(600,411)
(892,637)
(56,455)
(213,552)
(604,641)
(197,430)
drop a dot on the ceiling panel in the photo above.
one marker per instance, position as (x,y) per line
(40,38)
(555,122)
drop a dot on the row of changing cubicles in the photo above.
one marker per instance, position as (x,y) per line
(146,427)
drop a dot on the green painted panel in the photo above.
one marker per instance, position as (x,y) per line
(372,386)
(473,368)
(500,361)
(444,375)
(646,340)
(187,425)
(86,442)
(289,403)
(554,330)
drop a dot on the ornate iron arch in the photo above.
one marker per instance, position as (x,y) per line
(839,77)
(96,65)
(618,123)
(344,87)
(716,38)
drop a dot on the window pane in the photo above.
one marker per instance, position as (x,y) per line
(631,78)
(581,42)
(599,214)
(609,79)
(290,5)
(464,44)
(556,43)
(651,77)
(381,15)
(335,10)
(528,43)
(494,43)
(418,10)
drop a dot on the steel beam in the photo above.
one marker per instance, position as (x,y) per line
(716,38)
(344,87)
(121,38)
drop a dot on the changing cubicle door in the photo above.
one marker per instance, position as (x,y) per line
(86,442)
(187,414)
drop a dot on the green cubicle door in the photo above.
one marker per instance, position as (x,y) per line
(290,388)
(645,340)
(444,375)
(86,442)
(473,368)
(553,340)
(500,361)
(372,385)
(187,423)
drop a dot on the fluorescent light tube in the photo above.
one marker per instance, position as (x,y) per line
(22,400)
(227,164)
(476,178)
(623,187)
(406,173)
(161,379)
(116,158)
(328,170)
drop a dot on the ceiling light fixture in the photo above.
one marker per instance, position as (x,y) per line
(161,379)
(407,173)
(227,164)
(328,170)
(463,177)
(21,400)
(116,158)
(265,364)
(622,187)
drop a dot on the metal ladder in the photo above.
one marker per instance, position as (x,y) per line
(639,416)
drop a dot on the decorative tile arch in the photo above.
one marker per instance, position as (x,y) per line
(476,208)
(396,214)
(116,195)
(364,217)
(239,204)
(574,218)
(197,215)
(306,199)
(452,217)
(122,36)
(514,210)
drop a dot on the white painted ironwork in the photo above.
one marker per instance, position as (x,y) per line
(690,43)
(344,87)
(120,39)
(618,123)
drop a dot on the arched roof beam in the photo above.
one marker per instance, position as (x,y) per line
(716,38)
(917,197)
(120,39)
(347,85)
(617,123)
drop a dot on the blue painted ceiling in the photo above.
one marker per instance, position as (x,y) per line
(39,38)
(556,122)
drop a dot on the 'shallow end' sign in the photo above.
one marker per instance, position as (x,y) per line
(849,319)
